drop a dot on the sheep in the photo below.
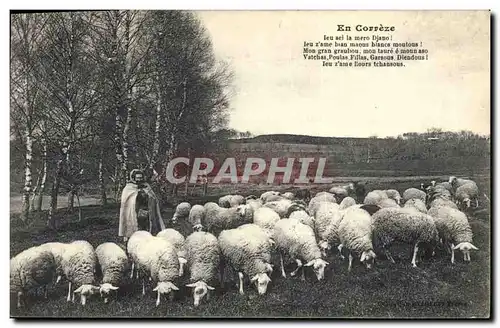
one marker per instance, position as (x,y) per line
(231,201)
(465,193)
(437,192)
(326,221)
(196,216)
(281,206)
(288,195)
(374,197)
(268,194)
(303,217)
(416,204)
(132,244)
(454,230)
(57,250)
(316,200)
(157,258)
(411,193)
(355,234)
(265,218)
(254,203)
(404,225)
(388,202)
(298,241)
(439,202)
(393,194)
(347,202)
(219,218)
(457,182)
(181,212)
(203,260)
(114,264)
(444,185)
(32,268)
(248,251)
(79,265)
(177,240)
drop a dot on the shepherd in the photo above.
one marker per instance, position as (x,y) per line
(135,194)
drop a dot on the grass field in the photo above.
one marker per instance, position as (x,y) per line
(435,289)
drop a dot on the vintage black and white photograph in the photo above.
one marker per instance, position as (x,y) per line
(250,164)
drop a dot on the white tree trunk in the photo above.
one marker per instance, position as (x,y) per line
(27,177)
(41,188)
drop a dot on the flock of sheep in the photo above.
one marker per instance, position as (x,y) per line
(249,234)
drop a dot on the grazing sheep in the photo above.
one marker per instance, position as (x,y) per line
(32,268)
(288,195)
(265,218)
(219,218)
(374,197)
(454,230)
(412,193)
(437,192)
(326,221)
(248,250)
(303,217)
(444,185)
(231,201)
(457,182)
(203,260)
(297,240)
(79,266)
(196,216)
(339,193)
(114,265)
(158,259)
(465,193)
(57,249)
(254,203)
(281,206)
(416,204)
(132,244)
(347,202)
(388,202)
(177,240)
(404,225)
(393,194)
(355,234)
(268,194)
(439,202)
(181,212)
(316,200)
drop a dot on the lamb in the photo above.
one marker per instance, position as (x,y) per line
(157,258)
(268,194)
(303,217)
(347,202)
(393,194)
(79,266)
(181,212)
(404,225)
(355,234)
(248,251)
(416,204)
(265,218)
(288,195)
(454,230)
(231,201)
(196,216)
(411,193)
(203,260)
(374,197)
(297,240)
(32,268)
(219,218)
(177,240)
(326,221)
(132,244)
(114,264)
(467,192)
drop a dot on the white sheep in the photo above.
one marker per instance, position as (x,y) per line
(177,239)
(196,216)
(416,204)
(280,206)
(303,217)
(203,260)
(341,192)
(254,203)
(355,234)
(374,197)
(181,212)
(403,225)
(132,244)
(32,268)
(114,264)
(268,194)
(347,202)
(298,241)
(393,194)
(288,195)
(411,193)
(454,230)
(57,250)
(265,218)
(248,251)
(326,221)
(218,218)
(457,182)
(231,201)
(79,266)
(439,202)
(157,258)
(387,202)
(465,193)
(316,200)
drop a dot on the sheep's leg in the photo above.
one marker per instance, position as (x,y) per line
(303,276)
(132,271)
(143,286)
(340,251)
(299,265)
(240,275)
(477,202)
(465,257)
(388,255)
(58,279)
(452,254)
(158,298)
(350,262)
(283,274)
(414,259)
(45,292)
(73,297)
(468,257)
(68,299)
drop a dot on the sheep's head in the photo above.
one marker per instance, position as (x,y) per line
(318,267)
(324,247)
(465,248)
(244,210)
(465,202)
(105,290)
(452,180)
(164,288)
(368,258)
(433,183)
(200,289)
(86,291)
(198,227)
(261,280)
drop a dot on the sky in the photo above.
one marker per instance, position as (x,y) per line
(277,91)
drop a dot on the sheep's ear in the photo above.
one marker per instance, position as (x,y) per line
(174,287)
(363,256)
(473,247)
(182,260)
(309,263)
(191,285)
(155,289)
(254,278)
(210,287)
(114,288)
(78,290)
